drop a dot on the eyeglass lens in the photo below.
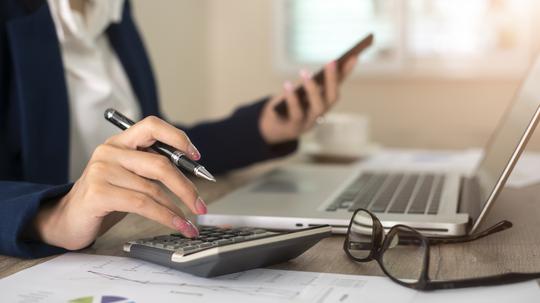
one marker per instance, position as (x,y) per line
(403,254)
(361,235)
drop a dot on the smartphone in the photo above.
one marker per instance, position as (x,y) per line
(281,108)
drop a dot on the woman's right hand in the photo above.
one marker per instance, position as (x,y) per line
(120,179)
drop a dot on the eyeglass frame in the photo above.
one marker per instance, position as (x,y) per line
(379,246)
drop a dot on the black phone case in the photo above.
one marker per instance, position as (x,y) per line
(281,108)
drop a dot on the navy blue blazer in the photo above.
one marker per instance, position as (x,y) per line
(34,119)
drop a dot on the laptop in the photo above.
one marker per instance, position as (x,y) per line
(434,202)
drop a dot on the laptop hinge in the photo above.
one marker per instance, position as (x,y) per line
(469,201)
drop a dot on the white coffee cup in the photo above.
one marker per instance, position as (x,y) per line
(341,135)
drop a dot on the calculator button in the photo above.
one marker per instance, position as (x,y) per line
(177,246)
(177,235)
(256,236)
(239,239)
(206,245)
(223,242)
(209,228)
(190,248)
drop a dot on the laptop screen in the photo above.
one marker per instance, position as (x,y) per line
(509,139)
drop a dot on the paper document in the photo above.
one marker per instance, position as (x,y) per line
(81,278)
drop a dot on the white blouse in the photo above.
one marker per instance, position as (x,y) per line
(95,77)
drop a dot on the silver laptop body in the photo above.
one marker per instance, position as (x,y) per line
(434,202)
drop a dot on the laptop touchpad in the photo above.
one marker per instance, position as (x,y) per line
(283,185)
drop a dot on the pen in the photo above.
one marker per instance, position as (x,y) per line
(177,157)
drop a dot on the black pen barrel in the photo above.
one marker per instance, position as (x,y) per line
(177,157)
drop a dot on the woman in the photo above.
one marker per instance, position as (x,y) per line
(63,62)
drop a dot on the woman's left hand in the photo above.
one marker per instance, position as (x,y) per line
(276,129)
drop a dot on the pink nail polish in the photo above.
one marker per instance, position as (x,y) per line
(288,86)
(305,74)
(200,206)
(194,232)
(180,224)
(193,152)
(185,227)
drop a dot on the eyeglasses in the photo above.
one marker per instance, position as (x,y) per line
(403,253)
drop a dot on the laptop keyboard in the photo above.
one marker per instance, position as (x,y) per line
(392,193)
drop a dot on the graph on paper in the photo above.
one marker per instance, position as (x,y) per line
(81,278)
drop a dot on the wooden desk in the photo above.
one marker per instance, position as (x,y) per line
(517,249)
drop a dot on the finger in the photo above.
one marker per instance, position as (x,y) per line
(124,178)
(124,200)
(316,103)
(154,167)
(331,83)
(349,67)
(151,129)
(295,112)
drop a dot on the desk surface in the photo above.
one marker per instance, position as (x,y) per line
(517,249)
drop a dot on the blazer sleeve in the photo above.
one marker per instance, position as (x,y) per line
(19,203)
(235,141)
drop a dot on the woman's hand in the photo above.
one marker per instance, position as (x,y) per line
(120,179)
(275,129)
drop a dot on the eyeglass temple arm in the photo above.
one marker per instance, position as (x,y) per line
(487,281)
(503,225)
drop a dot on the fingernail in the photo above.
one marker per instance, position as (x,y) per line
(200,206)
(180,224)
(193,152)
(305,74)
(185,227)
(332,65)
(288,86)
(193,229)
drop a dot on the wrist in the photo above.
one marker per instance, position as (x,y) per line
(266,132)
(271,132)
(47,221)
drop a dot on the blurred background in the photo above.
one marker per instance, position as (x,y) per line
(440,73)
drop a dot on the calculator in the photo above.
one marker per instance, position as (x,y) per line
(218,251)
